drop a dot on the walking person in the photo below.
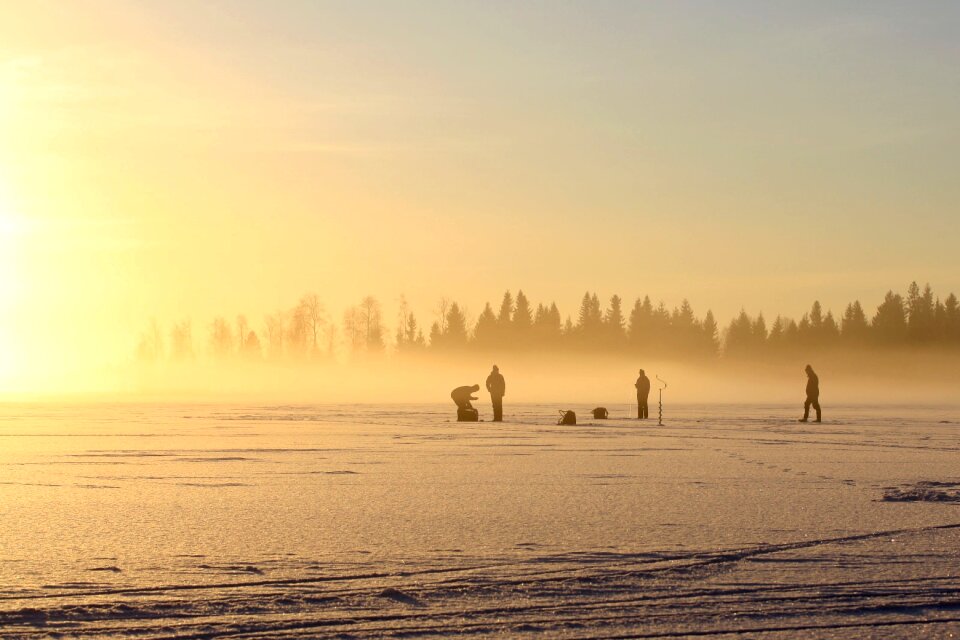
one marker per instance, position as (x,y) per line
(813,395)
(643,392)
(497,387)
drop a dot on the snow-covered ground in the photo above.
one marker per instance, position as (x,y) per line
(349,521)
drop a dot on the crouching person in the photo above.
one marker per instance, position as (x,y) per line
(462,397)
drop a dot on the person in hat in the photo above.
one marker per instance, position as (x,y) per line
(813,395)
(643,392)
(497,388)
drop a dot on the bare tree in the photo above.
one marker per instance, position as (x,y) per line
(353,329)
(221,338)
(315,318)
(372,324)
(181,341)
(150,347)
(275,334)
(403,322)
(243,327)
(442,309)
(298,330)
(331,335)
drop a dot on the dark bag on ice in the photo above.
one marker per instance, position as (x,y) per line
(600,413)
(568,418)
(468,415)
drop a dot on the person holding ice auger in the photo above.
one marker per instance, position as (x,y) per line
(813,395)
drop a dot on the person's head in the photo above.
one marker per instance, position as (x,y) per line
(808,369)
(642,372)
(475,387)
(496,368)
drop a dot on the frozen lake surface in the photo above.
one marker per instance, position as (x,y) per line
(201,521)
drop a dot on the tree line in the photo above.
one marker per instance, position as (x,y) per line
(306,332)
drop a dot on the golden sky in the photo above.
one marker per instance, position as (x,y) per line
(176,159)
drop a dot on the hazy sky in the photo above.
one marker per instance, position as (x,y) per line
(182,158)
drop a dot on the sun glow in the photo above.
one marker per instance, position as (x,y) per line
(12,232)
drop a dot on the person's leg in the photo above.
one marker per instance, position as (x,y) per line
(497,409)
(816,406)
(639,407)
(806,410)
(644,410)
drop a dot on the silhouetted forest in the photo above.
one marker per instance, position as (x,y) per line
(307,332)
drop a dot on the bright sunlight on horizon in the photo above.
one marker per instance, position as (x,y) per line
(171,162)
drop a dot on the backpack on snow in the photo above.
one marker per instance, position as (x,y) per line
(468,415)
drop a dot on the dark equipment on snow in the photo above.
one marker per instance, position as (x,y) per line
(468,415)
(567,418)
(600,413)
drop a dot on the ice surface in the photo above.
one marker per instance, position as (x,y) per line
(336,521)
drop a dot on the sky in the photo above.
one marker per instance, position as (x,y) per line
(171,159)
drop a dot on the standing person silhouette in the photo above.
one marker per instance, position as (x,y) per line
(497,387)
(813,395)
(643,392)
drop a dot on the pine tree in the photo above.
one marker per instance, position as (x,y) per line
(775,338)
(758,332)
(920,313)
(456,333)
(506,310)
(613,321)
(951,314)
(436,336)
(659,329)
(590,320)
(853,326)
(791,333)
(829,332)
(414,337)
(889,325)
(485,333)
(546,325)
(522,316)
(684,329)
(816,317)
(739,335)
(554,328)
(640,322)
(711,335)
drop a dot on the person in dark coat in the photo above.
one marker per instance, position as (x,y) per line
(497,387)
(643,392)
(813,395)
(463,395)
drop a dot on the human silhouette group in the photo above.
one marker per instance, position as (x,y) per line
(462,397)
(497,388)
